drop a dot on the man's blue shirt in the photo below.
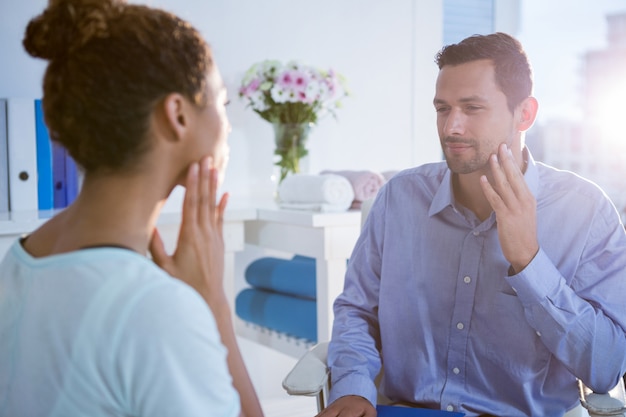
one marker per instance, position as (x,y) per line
(428,287)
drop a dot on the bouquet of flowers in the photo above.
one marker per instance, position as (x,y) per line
(292,93)
(293,97)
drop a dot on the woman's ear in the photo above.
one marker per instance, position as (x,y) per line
(527,112)
(174,108)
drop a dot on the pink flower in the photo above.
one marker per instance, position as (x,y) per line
(285,80)
(251,88)
(293,80)
(301,80)
(254,85)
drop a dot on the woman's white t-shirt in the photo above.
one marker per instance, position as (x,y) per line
(105,332)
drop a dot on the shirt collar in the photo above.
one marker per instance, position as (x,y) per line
(444,196)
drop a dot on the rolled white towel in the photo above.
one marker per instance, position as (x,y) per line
(328,192)
(365,184)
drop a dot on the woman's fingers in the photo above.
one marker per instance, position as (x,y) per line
(207,195)
(190,202)
(221,208)
(157,250)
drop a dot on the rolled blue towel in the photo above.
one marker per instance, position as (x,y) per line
(294,276)
(294,316)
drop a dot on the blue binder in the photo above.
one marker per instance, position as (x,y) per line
(58,176)
(71,179)
(44,160)
(65,177)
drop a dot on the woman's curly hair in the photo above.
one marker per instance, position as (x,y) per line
(110,64)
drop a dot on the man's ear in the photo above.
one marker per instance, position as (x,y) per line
(174,110)
(527,113)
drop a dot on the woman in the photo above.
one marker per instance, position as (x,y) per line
(89,325)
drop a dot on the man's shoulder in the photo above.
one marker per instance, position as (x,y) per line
(554,180)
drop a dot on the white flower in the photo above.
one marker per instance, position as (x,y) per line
(257,101)
(279,94)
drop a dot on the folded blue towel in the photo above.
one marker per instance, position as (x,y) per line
(286,314)
(294,276)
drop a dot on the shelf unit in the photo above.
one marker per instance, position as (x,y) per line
(327,237)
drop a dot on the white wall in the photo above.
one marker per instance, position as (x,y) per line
(384,49)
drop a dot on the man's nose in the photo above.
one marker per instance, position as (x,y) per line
(455,123)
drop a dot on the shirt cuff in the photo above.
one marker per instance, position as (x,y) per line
(540,279)
(354,384)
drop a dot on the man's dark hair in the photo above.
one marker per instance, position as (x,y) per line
(512,70)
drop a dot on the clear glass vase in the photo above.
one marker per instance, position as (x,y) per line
(290,140)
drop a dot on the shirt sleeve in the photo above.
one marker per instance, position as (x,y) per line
(353,352)
(171,359)
(582,320)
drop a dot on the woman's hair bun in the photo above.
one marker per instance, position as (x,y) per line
(66,25)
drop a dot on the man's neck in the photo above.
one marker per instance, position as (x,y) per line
(468,192)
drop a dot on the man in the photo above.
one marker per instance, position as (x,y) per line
(487,284)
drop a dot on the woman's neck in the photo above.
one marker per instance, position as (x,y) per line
(109,210)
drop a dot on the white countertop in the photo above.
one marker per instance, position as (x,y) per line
(13,223)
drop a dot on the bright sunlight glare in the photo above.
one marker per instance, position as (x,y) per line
(609,114)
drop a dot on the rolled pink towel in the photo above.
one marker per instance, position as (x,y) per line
(365,183)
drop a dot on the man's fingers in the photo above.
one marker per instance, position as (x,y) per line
(508,180)
(512,172)
(491,194)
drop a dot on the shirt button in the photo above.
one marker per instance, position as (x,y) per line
(538,333)
(460,326)
(450,408)
(467,279)
(456,370)
(476,233)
